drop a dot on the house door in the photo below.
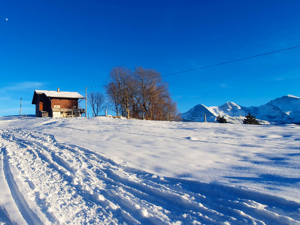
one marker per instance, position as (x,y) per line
(41,106)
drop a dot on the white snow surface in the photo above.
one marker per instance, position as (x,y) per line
(284,110)
(60,94)
(118,171)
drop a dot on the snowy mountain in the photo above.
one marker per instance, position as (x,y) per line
(280,110)
(197,114)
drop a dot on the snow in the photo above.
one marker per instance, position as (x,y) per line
(59,94)
(292,96)
(283,110)
(197,114)
(118,171)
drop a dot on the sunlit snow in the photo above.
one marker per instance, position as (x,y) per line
(118,171)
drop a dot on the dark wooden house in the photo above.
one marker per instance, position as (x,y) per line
(57,103)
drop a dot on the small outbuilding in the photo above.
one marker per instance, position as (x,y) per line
(57,103)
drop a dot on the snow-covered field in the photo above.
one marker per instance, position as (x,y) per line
(117,171)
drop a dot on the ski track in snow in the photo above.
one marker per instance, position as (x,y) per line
(56,183)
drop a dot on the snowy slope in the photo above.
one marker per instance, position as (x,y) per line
(230,109)
(197,114)
(289,106)
(112,171)
(284,110)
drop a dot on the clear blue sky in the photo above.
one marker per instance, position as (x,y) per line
(73,44)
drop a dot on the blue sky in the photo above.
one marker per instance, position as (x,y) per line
(73,44)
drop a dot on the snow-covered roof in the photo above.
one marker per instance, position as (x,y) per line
(59,94)
(56,94)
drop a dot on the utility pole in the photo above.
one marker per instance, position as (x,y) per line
(21,107)
(85,102)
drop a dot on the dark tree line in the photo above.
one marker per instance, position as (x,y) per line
(140,94)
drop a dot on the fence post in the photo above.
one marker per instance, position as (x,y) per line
(86,102)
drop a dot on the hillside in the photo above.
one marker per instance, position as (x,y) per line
(284,110)
(118,171)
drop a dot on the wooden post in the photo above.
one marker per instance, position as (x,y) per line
(204,117)
(105,112)
(21,107)
(86,102)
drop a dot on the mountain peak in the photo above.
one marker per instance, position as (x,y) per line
(286,99)
(291,96)
(197,114)
(285,109)
(228,106)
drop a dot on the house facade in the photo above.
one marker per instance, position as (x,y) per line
(57,103)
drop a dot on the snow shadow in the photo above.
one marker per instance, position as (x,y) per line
(272,159)
(4,218)
(266,178)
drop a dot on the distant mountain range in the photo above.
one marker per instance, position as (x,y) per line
(282,110)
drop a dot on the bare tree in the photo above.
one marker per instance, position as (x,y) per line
(121,89)
(147,81)
(139,93)
(160,100)
(97,101)
(114,100)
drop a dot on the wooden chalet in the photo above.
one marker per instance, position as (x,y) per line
(57,104)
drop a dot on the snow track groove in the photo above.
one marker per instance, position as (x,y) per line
(3,217)
(27,213)
(67,184)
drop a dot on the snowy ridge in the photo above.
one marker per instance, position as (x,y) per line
(282,110)
(292,96)
(197,114)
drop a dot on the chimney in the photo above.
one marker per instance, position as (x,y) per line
(58,90)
